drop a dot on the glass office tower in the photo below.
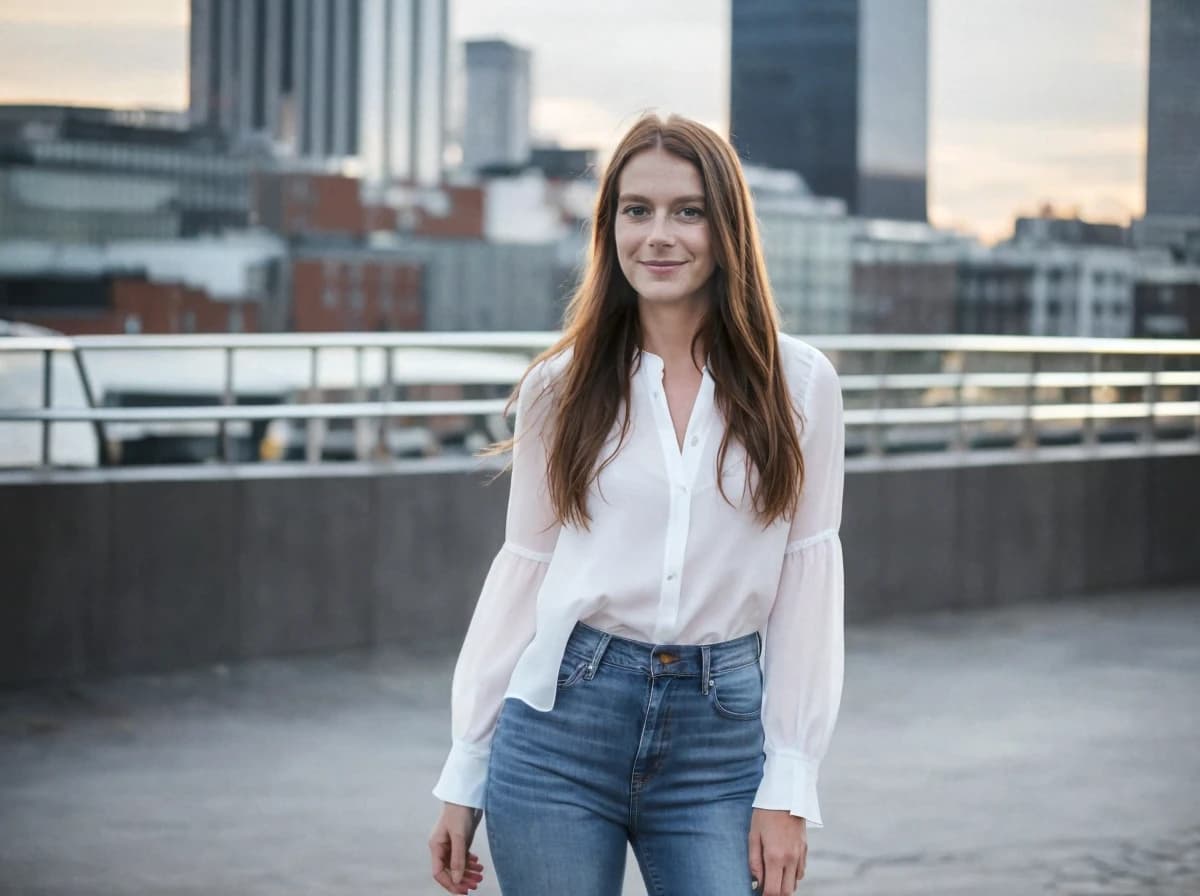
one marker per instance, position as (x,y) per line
(1173,109)
(326,80)
(836,90)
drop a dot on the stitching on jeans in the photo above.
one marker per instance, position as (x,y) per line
(598,655)
(634,786)
(724,669)
(651,869)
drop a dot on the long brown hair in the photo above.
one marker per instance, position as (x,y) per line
(603,331)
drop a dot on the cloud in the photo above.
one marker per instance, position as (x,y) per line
(1036,102)
(984,175)
(632,55)
(1033,61)
(168,13)
(575,122)
(94,64)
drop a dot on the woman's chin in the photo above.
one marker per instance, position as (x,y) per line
(662,292)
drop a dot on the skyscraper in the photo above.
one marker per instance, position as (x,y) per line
(357,80)
(498,96)
(836,90)
(1173,110)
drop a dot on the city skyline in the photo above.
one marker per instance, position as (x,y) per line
(1019,115)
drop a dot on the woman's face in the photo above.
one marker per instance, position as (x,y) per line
(661,228)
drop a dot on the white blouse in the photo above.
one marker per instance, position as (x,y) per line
(667,561)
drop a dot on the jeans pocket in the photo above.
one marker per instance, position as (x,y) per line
(737,693)
(570,672)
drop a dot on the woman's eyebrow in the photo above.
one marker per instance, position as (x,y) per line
(634,197)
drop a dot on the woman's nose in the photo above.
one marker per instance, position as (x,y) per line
(660,231)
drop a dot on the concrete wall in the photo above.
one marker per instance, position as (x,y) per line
(118,573)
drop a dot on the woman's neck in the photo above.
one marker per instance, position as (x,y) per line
(669,334)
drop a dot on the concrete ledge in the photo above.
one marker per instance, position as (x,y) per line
(145,573)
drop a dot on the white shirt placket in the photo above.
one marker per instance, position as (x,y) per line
(681,477)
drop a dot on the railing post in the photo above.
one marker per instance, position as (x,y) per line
(1089,434)
(960,427)
(361,446)
(877,447)
(1029,427)
(224,442)
(312,440)
(90,397)
(389,383)
(47,402)
(1149,434)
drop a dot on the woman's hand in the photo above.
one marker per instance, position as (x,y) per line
(456,869)
(778,850)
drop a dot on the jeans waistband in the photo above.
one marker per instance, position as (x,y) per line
(598,647)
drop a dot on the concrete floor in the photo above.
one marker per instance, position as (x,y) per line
(1041,749)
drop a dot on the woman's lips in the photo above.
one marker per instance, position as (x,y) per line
(662,267)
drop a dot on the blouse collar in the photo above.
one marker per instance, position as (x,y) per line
(660,365)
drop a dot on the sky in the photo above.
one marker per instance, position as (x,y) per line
(1031,101)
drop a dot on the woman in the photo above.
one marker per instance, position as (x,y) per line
(694,621)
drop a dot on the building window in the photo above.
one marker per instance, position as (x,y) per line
(357,295)
(133,323)
(299,188)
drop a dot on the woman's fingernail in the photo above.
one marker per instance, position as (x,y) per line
(753,883)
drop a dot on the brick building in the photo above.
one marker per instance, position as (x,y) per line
(354,290)
(306,206)
(115,304)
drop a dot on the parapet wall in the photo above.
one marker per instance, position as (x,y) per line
(120,572)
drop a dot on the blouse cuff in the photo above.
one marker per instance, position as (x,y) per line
(789,782)
(464,775)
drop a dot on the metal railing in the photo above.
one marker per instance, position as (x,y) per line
(902,393)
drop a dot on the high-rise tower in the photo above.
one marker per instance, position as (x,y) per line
(357,80)
(498,99)
(836,90)
(1173,110)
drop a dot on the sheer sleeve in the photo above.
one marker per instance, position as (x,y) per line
(804,648)
(503,622)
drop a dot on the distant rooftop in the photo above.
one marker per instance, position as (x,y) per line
(27,123)
(224,266)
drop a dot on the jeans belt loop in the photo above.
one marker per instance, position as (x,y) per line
(705,667)
(594,663)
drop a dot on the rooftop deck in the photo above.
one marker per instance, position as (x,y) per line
(1045,748)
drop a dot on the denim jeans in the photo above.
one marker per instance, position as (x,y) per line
(660,746)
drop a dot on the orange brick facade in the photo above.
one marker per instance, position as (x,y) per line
(141,306)
(340,292)
(295,204)
(461,220)
(173,308)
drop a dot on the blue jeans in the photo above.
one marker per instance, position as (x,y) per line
(660,746)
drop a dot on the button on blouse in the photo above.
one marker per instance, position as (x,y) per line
(668,561)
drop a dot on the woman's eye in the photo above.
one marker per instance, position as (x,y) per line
(635,211)
(692,212)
